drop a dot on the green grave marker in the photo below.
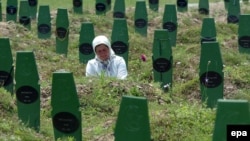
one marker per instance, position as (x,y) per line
(230,112)
(226,3)
(203,7)
(233,11)
(66,116)
(101,7)
(62,31)
(24,14)
(244,34)
(33,4)
(170,22)
(153,4)
(86,51)
(77,6)
(1,11)
(162,59)
(182,5)
(27,89)
(208,30)
(119,38)
(119,9)
(141,17)
(133,120)
(44,22)
(6,65)
(211,74)
(11,10)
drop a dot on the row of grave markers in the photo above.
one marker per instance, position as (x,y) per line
(133,122)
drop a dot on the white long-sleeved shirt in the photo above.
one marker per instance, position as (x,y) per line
(114,67)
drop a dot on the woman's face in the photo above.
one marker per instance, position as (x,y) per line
(102,51)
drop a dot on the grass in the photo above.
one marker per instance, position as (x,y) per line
(174,116)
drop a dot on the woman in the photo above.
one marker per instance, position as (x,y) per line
(105,61)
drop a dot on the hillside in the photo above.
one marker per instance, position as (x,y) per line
(174,115)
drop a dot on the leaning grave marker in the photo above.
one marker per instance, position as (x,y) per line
(133,120)
(6,65)
(27,89)
(66,116)
(86,51)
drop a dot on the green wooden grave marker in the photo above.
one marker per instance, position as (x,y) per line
(226,3)
(62,31)
(133,120)
(153,4)
(33,4)
(182,5)
(77,6)
(66,116)
(101,7)
(170,22)
(44,22)
(204,7)
(211,74)
(6,65)
(141,17)
(27,89)
(244,34)
(162,58)
(119,9)
(11,10)
(230,112)
(86,51)
(24,14)
(208,30)
(233,11)
(119,38)
(1,11)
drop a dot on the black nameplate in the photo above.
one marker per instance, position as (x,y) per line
(77,3)
(65,122)
(203,11)
(119,47)
(44,28)
(32,2)
(232,19)
(118,15)
(27,94)
(153,1)
(86,49)
(24,20)
(12,10)
(244,41)
(208,39)
(161,65)
(108,2)
(182,3)
(211,79)
(100,7)
(170,26)
(140,23)
(5,78)
(61,32)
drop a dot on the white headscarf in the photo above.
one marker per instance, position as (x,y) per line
(101,39)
